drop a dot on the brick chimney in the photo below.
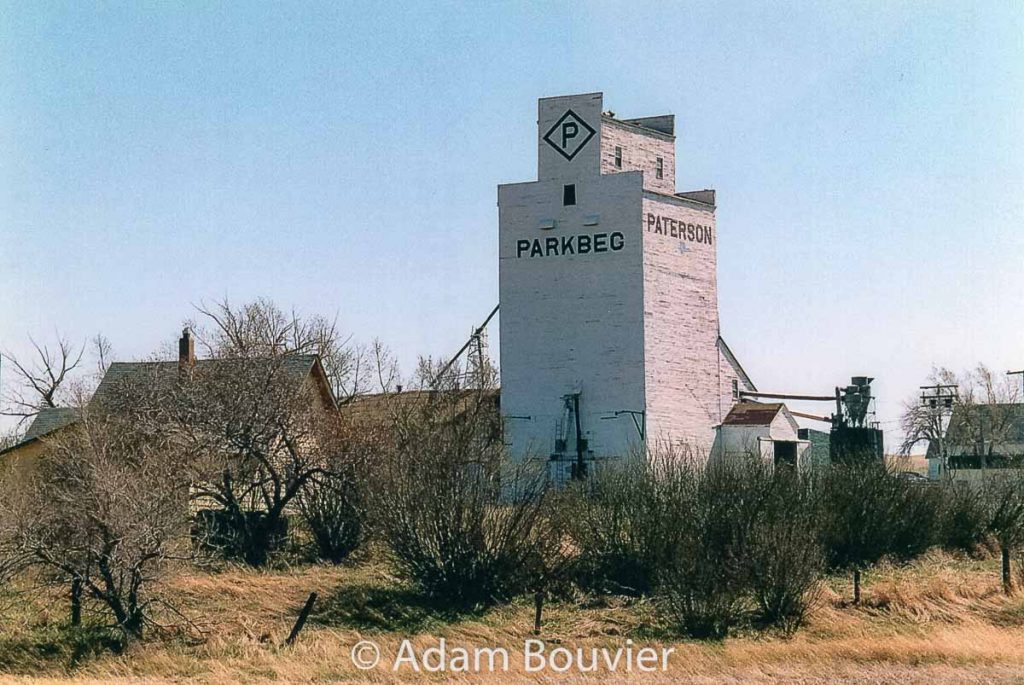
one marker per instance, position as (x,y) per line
(186,350)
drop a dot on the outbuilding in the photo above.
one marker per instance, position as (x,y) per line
(761,429)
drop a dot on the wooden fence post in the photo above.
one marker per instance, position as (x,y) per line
(301,621)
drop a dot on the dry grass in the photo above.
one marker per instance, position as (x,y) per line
(917,463)
(941,620)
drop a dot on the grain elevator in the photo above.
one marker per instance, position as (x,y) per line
(609,331)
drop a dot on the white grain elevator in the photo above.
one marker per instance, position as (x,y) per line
(607,285)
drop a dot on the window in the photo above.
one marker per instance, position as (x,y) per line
(569,194)
(618,157)
(735,389)
(659,168)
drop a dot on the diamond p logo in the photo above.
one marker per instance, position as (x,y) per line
(569,134)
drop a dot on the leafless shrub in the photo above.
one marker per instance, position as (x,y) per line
(622,520)
(334,503)
(462,523)
(707,541)
(964,518)
(706,582)
(785,558)
(870,514)
(1002,498)
(104,509)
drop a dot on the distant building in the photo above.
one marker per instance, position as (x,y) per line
(47,423)
(761,429)
(303,369)
(818,453)
(979,438)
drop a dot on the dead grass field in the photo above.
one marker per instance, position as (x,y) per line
(941,620)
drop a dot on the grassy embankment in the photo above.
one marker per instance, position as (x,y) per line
(940,620)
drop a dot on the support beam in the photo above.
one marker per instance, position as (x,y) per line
(783,396)
(826,419)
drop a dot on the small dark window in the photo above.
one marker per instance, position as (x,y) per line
(659,168)
(618,157)
(735,389)
(569,194)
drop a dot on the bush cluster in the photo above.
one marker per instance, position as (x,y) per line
(715,545)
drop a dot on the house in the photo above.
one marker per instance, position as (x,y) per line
(767,429)
(305,370)
(979,440)
(47,423)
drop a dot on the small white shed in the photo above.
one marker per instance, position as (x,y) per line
(760,428)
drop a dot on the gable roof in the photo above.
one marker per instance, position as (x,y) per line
(968,424)
(379,406)
(298,367)
(735,364)
(47,421)
(752,413)
(50,419)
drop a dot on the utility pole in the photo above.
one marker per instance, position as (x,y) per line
(941,398)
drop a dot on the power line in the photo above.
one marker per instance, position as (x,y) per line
(941,396)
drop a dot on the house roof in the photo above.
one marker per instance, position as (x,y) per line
(752,413)
(970,423)
(298,366)
(377,406)
(48,420)
(735,363)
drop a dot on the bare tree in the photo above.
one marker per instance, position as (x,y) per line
(104,509)
(103,351)
(42,380)
(256,437)
(369,369)
(976,427)
(924,423)
(262,329)
(257,425)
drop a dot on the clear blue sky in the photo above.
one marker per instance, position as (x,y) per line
(868,157)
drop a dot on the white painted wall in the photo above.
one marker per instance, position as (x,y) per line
(733,441)
(571,323)
(681,321)
(632,330)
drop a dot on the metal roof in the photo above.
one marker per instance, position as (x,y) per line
(752,414)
